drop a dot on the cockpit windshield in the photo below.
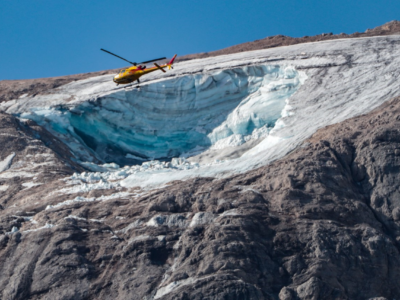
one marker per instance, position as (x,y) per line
(122,71)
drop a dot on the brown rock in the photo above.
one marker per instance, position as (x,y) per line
(322,223)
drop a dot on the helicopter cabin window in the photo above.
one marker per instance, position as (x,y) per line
(122,71)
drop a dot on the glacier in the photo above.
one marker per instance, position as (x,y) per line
(173,117)
(215,116)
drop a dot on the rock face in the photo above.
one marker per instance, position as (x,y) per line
(37,159)
(322,223)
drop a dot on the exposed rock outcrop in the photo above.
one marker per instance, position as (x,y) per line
(322,223)
(34,160)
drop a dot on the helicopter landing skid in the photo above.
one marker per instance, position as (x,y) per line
(131,86)
(126,87)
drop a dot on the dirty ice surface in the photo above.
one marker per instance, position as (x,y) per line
(220,115)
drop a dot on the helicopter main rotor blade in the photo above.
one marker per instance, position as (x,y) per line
(145,62)
(118,56)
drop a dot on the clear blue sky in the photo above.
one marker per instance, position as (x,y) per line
(45,38)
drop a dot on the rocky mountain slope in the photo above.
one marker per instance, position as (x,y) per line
(320,219)
(322,223)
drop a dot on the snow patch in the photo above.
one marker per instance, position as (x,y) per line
(75,217)
(80,199)
(12,173)
(173,286)
(231,212)
(4,187)
(29,185)
(202,218)
(6,163)
(47,226)
(79,187)
(140,238)
(170,221)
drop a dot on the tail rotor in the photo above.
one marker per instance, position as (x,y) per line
(171,62)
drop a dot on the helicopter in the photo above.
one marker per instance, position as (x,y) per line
(132,74)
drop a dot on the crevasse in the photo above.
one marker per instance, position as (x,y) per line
(169,118)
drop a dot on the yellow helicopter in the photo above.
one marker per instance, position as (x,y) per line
(132,74)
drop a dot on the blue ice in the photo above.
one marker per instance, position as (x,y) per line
(165,119)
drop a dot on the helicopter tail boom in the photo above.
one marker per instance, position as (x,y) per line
(171,62)
(159,67)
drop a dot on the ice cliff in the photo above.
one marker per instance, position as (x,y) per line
(169,118)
